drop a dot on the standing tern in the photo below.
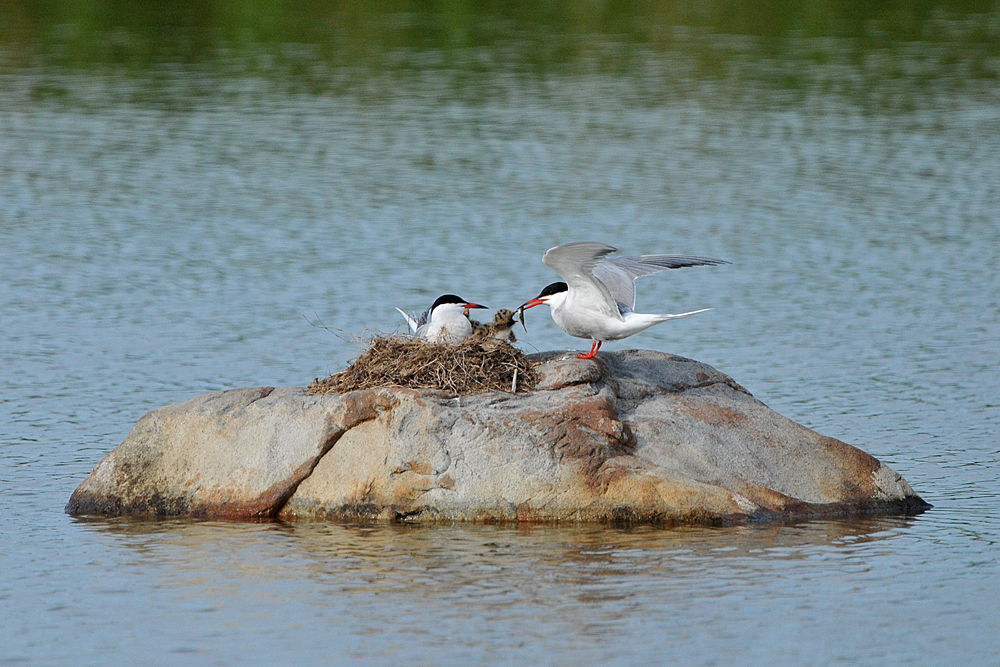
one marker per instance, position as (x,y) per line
(446,321)
(598,297)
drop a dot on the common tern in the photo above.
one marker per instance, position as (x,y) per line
(598,297)
(446,321)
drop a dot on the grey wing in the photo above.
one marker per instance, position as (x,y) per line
(573,259)
(575,263)
(619,273)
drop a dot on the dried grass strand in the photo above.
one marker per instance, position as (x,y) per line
(472,367)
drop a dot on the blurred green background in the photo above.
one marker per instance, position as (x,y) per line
(839,45)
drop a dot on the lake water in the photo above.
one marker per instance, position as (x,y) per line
(177,206)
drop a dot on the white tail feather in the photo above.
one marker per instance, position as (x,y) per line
(410,322)
(668,316)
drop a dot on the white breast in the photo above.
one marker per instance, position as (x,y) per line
(446,326)
(585,321)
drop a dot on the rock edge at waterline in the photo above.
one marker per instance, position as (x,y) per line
(636,436)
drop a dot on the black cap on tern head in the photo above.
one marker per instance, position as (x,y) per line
(549,290)
(448,298)
(554,288)
(452,298)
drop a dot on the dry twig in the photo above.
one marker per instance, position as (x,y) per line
(472,367)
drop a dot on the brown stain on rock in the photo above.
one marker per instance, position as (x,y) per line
(609,475)
(586,430)
(771,500)
(856,480)
(713,415)
(363,405)
(421,467)
(405,487)
(528,514)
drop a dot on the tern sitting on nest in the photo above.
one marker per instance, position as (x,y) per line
(446,321)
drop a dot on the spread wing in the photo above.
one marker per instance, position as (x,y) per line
(619,273)
(575,262)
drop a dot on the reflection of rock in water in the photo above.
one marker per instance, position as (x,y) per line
(631,437)
(530,552)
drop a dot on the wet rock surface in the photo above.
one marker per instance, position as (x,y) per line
(635,436)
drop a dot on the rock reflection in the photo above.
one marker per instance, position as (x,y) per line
(496,565)
(392,590)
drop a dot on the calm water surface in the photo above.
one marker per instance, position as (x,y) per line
(167,228)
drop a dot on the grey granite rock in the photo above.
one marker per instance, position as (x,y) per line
(630,436)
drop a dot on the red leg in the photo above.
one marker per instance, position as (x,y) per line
(594,347)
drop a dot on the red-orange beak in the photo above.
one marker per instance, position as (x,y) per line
(537,301)
(471,305)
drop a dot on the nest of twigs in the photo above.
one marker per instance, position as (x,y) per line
(472,367)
